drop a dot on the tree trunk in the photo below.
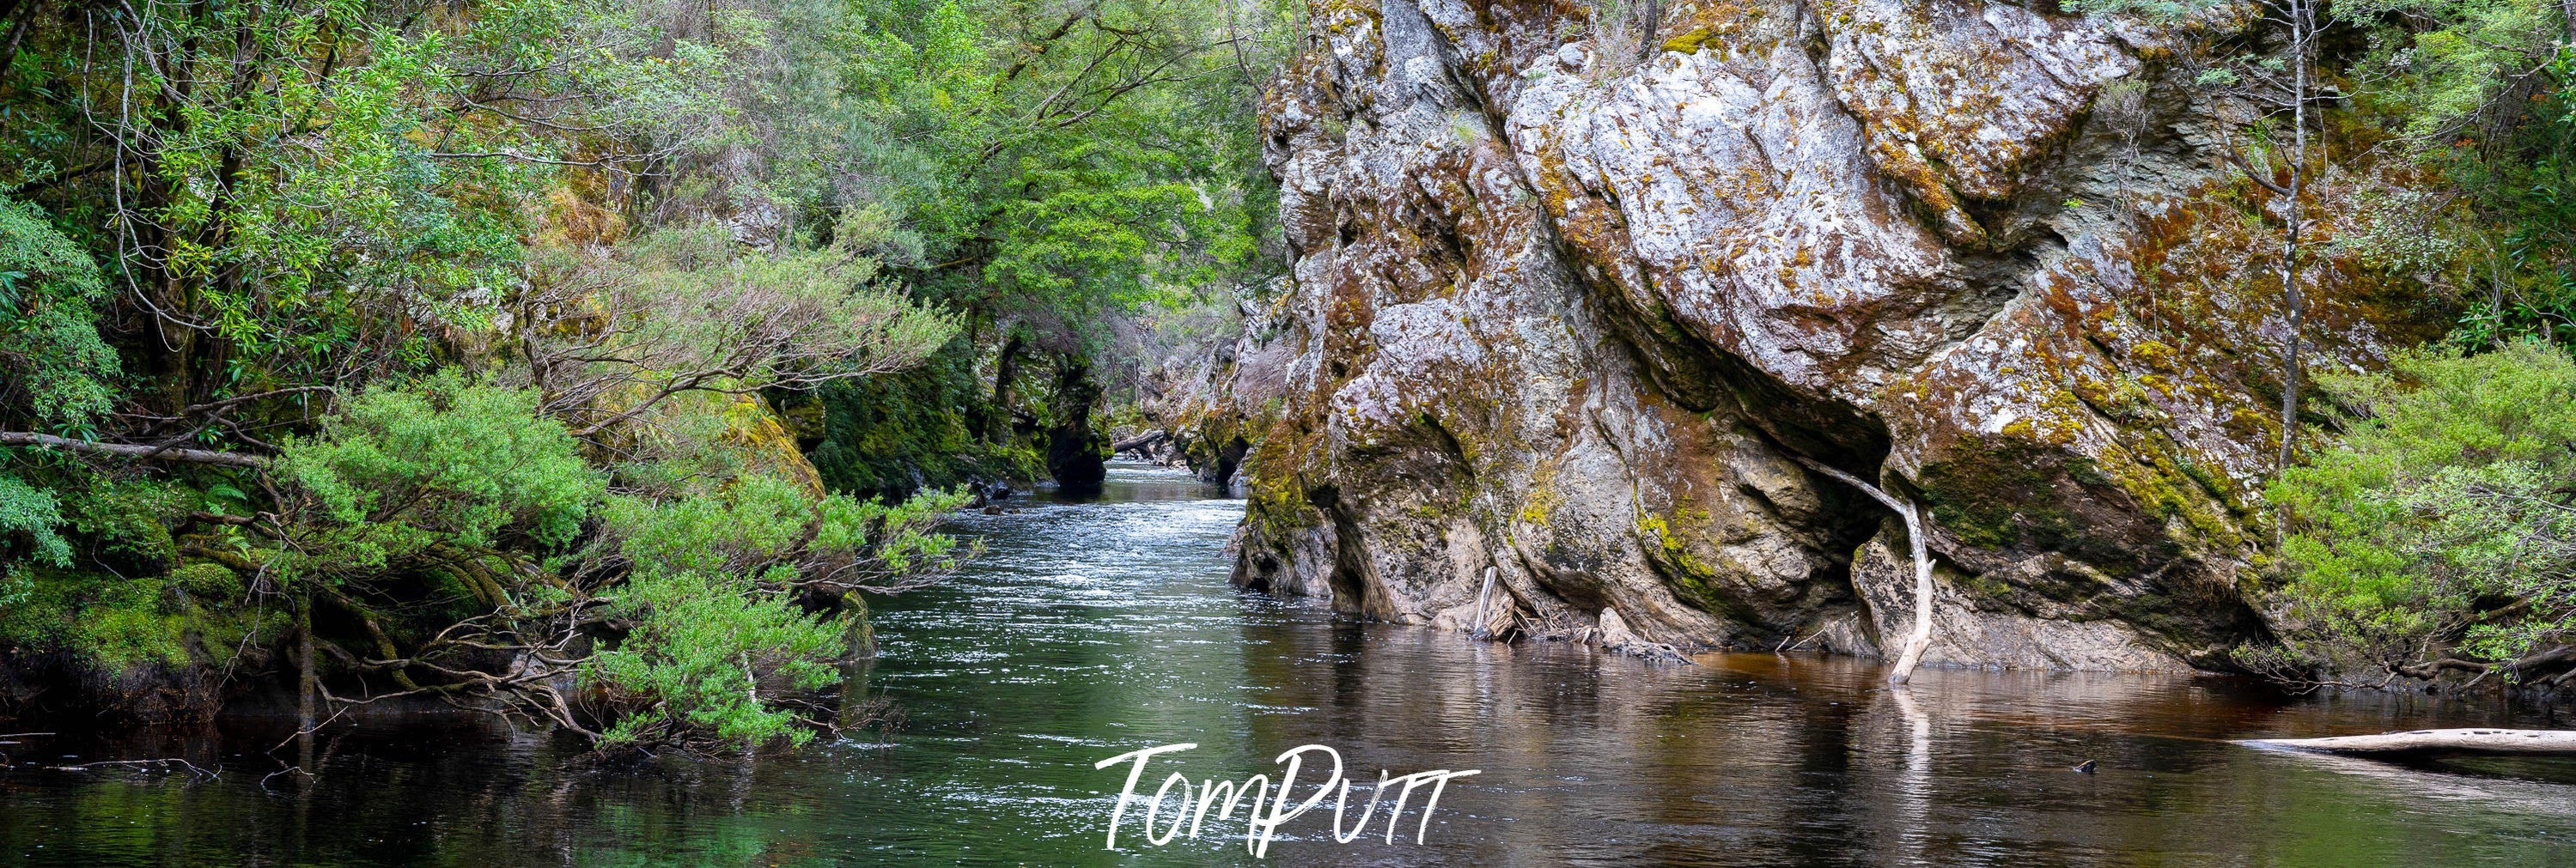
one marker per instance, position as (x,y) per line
(1482,597)
(859,635)
(306,685)
(17,33)
(2300,16)
(2302,32)
(1920,639)
(1006,370)
(1653,18)
(1073,447)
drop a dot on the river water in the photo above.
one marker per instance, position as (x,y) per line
(1098,627)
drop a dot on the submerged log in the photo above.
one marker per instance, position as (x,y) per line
(2547,742)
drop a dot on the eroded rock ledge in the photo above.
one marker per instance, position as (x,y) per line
(1568,292)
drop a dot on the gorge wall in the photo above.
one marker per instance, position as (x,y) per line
(1572,285)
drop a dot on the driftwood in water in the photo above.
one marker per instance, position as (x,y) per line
(2559,742)
(1139,441)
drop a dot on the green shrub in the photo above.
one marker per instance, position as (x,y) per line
(445,460)
(99,595)
(28,516)
(760,521)
(933,426)
(127,523)
(703,644)
(718,591)
(2445,514)
(753,522)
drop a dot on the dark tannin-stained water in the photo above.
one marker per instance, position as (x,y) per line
(1095,628)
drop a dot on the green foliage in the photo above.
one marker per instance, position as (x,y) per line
(2525,181)
(2446,512)
(449,458)
(1048,171)
(1058,164)
(317,218)
(317,181)
(127,522)
(887,543)
(720,641)
(2445,61)
(754,522)
(933,426)
(110,622)
(2484,91)
(593,207)
(2161,11)
(54,368)
(94,584)
(696,659)
(1103,235)
(698,306)
(28,518)
(725,587)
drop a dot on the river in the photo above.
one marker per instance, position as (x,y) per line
(1097,627)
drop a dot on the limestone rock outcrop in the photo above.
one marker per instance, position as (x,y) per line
(1572,285)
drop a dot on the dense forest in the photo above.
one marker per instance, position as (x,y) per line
(2426,511)
(356,352)
(588,361)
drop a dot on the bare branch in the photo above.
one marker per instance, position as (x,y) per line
(127,450)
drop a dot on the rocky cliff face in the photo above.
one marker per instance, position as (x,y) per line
(1573,285)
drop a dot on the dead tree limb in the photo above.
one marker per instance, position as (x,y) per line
(1139,441)
(164,764)
(2548,742)
(133,450)
(1921,639)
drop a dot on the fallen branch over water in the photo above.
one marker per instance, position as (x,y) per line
(2557,742)
(1140,441)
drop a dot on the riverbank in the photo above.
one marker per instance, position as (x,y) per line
(1093,628)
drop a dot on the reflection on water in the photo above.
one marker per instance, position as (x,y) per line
(1095,628)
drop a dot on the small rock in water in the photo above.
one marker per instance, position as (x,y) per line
(2086,768)
(992,510)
